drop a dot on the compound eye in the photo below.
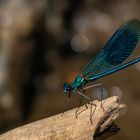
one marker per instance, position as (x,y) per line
(68,88)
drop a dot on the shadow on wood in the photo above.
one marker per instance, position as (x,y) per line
(112,130)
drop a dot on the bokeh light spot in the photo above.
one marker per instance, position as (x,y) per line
(79,43)
(100,93)
(116,91)
(6,100)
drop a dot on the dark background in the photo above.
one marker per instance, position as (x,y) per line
(44,43)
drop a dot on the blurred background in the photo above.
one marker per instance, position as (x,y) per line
(44,43)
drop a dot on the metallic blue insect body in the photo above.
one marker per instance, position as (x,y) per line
(111,58)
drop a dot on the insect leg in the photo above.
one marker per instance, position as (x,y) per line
(80,103)
(92,112)
(79,92)
(95,85)
(102,97)
(101,93)
(91,104)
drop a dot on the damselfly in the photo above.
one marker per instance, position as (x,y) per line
(110,59)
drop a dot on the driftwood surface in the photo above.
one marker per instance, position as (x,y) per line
(67,126)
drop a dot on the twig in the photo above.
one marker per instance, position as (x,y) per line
(67,126)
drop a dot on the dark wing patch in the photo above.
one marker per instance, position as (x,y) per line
(117,49)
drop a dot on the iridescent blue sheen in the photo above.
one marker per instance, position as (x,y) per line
(111,58)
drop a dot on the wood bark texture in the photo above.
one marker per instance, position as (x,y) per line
(67,127)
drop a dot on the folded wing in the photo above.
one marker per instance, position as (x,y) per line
(116,51)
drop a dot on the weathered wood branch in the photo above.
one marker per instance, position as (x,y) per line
(67,126)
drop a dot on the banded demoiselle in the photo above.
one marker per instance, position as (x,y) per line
(111,58)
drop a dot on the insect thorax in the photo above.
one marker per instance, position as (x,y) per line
(78,82)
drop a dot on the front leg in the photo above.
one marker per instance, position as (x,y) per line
(91,104)
(92,86)
(101,93)
(80,103)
